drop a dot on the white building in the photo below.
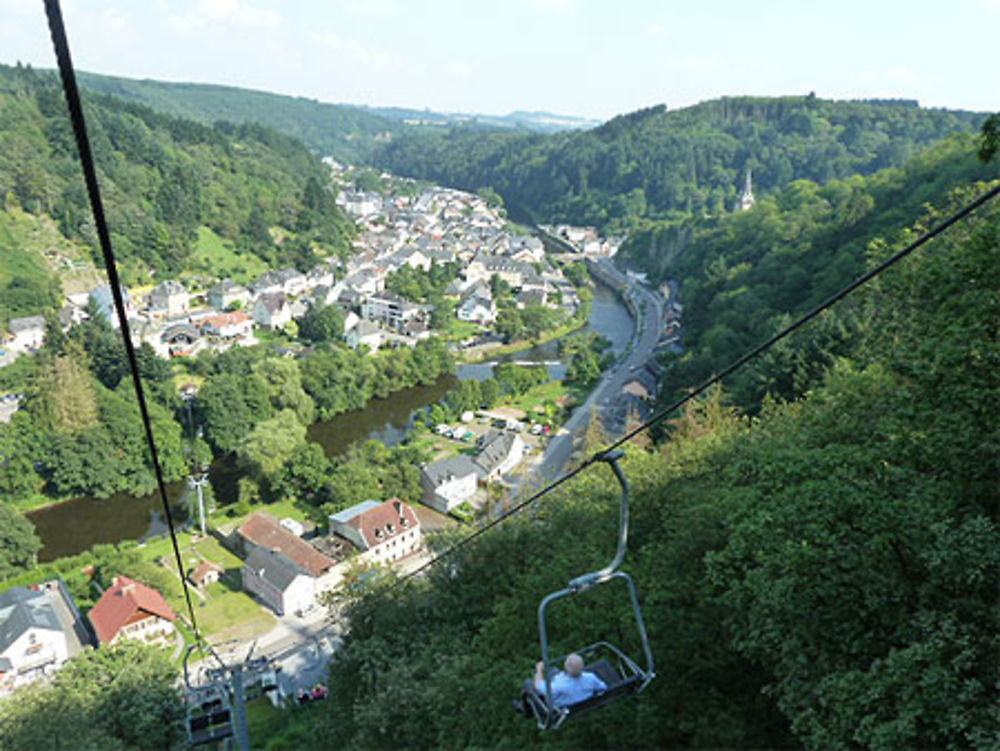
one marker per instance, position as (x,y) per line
(383,532)
(449,483)
(367,333)
(27,334)
(228,293)
(272,311)
(104,300)
(33,642)
(169,299)
(501,453)
(131,610)
(278,581)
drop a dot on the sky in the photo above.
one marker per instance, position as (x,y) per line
(591,58)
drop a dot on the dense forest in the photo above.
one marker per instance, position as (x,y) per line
(163,178)
(661,164)
(741,276)
(823,575)
(342,131)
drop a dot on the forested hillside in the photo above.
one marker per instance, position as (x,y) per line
(741,276)
(163,178)
(342,131)
(822,576)
(660,164)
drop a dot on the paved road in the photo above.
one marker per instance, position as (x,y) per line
(607,394)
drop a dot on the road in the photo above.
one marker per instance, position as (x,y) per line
(607,393)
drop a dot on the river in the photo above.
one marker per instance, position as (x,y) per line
(74,526)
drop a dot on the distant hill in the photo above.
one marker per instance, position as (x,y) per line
(179,195)
(347,132)
(342,131)
(533,122)
(660,164)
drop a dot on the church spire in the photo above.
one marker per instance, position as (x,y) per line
(746,197)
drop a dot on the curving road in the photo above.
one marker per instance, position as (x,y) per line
(606,396)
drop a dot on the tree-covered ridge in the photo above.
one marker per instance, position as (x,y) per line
(743,275)
(162,177)
(342,131)
(655,163)
(822,576)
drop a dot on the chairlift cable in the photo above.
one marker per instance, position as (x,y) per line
(72,92)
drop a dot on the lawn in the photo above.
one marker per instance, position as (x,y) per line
(218,257)
(459,330)
(547,395)
(232,615)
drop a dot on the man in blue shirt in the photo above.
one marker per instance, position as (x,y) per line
(569,686)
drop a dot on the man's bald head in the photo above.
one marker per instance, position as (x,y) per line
(574,665)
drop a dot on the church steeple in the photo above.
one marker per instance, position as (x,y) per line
(746,197)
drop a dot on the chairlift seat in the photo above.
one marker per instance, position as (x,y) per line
(626,679)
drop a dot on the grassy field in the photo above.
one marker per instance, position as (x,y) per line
(41,263)
(232,615)
(218,257)
(223,610)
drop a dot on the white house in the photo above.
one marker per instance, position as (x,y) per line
(169,299)
(500,454)
(32,640)
(389,309)
(272,311)
(413,257)
(27,334)
(383,532)
(228,293)
(278,581)
(367,333)
(293,281)
(449,483)
(262,531)
(366,282)
(478,308)
(131,610)
(234,325)
(104,299)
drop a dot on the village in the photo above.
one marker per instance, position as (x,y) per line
(270,573)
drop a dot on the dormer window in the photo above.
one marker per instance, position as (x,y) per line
(379,534)
(390,529)
(404,522)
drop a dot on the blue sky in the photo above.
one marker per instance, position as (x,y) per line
(594,58)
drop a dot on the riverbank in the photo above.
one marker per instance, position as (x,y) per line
(75,525)
(487,352)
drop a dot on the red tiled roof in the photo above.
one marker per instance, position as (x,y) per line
(197,576)
(225,319)
(121,602)
(389,514)
(264,531)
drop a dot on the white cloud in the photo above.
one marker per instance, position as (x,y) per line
(233,13)
(656,29)
(900,74)
(368,7)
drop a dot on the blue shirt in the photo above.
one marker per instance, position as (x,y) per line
(567,690)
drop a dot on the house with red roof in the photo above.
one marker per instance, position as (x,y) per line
(131,610)
(281,568)
(384,532)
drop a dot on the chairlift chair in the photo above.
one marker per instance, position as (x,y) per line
(209,717)
(623,675)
